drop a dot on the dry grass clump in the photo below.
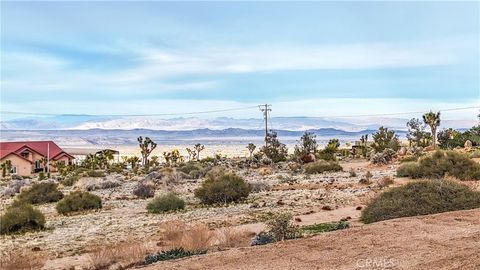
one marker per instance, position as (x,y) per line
(25,259)
(196,237)
(228,237)
(125,254)
(385,182)
(265,171)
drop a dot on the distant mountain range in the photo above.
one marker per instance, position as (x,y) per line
(86,122)
(91,130)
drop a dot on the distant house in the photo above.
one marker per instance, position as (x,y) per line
(31,156)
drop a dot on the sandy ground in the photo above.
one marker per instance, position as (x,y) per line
(442,241)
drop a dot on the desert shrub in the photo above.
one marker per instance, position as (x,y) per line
(41,193)
(14,187)
(165,203)
(171,254)
(193,170)
(21,217)
(409,159)
(352,173)
(70,179)
(221,186)
(281,228)
(322,166)
(441,163)
(385,182)
(78,201)
(421,198)
(143,191)
(22,260)
(259,186)
(409,169)
(384,157)
(102,185)
(325,227)
(91,173)
(475,154)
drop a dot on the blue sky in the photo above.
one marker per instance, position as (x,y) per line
(306,59)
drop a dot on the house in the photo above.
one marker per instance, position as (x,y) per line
(31,156)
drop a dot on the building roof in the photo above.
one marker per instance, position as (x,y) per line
(41,147)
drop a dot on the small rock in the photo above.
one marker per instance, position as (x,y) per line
(36,249)
(280,202)
(297,219)
(327,207)
(358,208)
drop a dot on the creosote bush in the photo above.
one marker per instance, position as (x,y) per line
(281,227)
(221,186)
(440,164)
(322,166)
(78,201)
(38,193)
(144,191)
(165,203)
(21,217)
(421,198)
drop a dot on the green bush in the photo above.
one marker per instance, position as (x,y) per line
(78,201)
(38,193)
(171,254)
(281,228)
(439,164)
(41,176)
(221,186)
(325,227)
(421,198)
(70,179)
(95,174)
(322,166)
(21,217)
(165,203)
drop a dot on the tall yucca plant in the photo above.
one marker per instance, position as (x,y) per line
(432,119)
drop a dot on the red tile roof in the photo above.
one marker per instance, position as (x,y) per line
(41,147)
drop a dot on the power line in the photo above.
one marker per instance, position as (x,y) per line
(265,108)
(128,115)
(398,113)
(227,110)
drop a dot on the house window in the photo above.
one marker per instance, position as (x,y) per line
(38,164)
(13,170)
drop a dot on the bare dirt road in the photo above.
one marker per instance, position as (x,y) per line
(442,241)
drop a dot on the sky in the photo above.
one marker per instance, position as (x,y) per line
(306,59)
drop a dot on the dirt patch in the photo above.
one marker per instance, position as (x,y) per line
(442,241)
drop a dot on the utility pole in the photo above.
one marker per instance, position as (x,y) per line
(265,108)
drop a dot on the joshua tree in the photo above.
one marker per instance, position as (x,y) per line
(384,138)
(105,156)
(433,120)
(364,146)
(274,150)
(199,147)
(191,153)
(251,147)
(146,148)
(134,162)
(6,167)
(90,161)
(417,136)
(306,145)
(154,161)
